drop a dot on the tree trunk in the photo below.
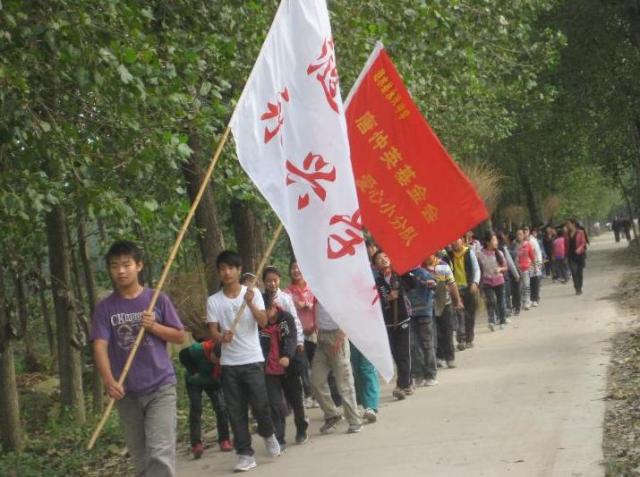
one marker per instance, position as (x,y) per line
(97,389)
(210,238)
(632,9)
(44,306)
(147,270)
(31,357)
(532,204)
(10,425)
(249,233)
(69,354)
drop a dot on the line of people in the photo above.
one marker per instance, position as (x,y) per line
(280,351)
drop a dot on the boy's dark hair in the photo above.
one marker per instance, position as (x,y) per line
(375,255)
(123,248)
(268,270)
(268,300)
(488,236)
(230,258)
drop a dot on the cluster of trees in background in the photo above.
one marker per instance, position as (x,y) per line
(109,111)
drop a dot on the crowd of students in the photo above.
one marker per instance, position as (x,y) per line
(279,352)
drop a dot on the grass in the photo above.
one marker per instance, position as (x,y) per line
(54,444)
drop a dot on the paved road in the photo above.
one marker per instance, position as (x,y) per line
(526,401)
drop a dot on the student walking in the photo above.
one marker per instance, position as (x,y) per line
(493,265)
(423,337)
(446,296)
(526,257)
(366,383)
(243,379)
(333,355)
(395,310)
(576,246)
(560,265)
(146,402)
(201,361)
(464,262)
(279,342)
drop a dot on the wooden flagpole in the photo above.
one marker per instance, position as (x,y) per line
(163,278)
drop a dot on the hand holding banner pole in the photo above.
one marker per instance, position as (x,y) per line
(163,278)
(263,263)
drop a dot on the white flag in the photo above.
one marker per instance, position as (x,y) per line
(291,138)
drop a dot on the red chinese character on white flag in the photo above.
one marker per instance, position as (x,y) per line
(315,169)
(327,75)
(352,236)
(273,114)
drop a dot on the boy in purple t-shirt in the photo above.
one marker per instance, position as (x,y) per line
(147,400)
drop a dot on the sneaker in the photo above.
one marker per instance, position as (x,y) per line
(197,450)
(308,402)
(492,327)
(527,307)
(399,394)
(508,320)
(502,327)
(354,428)
(245,462)
(302,437)
(330,423)
(419,382)
(408,391)
(534,304)
(461,347)
(272,445)
(226,446)
(370,416)
(440,363)
(451,364)
(430,382)
(469,344)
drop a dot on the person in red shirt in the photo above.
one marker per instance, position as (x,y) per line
(526,257)
(278,341)
(576,249)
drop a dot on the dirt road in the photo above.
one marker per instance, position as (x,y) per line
(526,401)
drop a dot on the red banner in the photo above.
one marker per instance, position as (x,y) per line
(413,197)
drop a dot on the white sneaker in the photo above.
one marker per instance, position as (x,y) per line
(272,445)
(245,463)
(502,327)
(430,382)
(534,304)
(370,416)
(492,327)
(508,320)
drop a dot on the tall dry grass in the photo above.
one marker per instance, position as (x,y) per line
(486,180)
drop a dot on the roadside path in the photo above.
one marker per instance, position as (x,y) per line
(526,401)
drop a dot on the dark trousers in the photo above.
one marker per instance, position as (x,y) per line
(444,324)
(274,385)
(515,294)
(423,347)
(194,391)
(470,301)
(292,388)
(400,343)
(560,269)
(535,288)
(577,267)
(616,234)
(494,300)
(244,385)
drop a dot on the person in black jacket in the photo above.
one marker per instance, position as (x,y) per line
(397,316)
(282,366)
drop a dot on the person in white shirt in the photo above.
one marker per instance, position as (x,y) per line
(241,359)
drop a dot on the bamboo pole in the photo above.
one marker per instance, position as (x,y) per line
(263,263)
(163,278)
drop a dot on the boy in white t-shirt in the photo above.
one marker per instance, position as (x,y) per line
(242,360)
